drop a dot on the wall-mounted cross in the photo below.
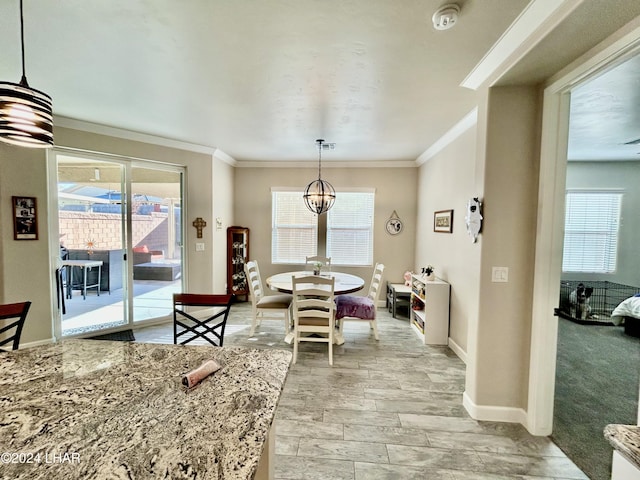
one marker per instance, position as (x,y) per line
(199,223)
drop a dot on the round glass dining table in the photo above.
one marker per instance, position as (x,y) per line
(345,283)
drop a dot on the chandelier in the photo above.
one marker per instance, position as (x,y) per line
(26,117)
(319,194)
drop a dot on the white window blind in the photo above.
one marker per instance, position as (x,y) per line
(350,229)
(592,219)
(294,228)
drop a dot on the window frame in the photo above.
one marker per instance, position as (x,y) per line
(369,228)
(582,237)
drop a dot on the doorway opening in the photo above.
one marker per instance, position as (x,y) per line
(597,380)
(120,239)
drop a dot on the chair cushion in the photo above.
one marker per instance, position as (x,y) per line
(275,301)
(353,306)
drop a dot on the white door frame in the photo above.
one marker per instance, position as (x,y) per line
(550,228)
(127,163)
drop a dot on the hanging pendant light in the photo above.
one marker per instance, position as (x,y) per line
(26,117)
(319,194)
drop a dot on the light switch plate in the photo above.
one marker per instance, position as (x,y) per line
(500,274)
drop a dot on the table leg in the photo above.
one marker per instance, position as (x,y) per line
(84,285)
(69,271)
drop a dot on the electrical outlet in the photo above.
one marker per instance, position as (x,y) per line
(199,247)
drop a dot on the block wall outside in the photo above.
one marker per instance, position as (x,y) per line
(105,230)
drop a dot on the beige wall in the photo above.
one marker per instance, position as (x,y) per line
(395,190)
(26,274)
(498,363)
(613,175)
(445,182)
(223,200)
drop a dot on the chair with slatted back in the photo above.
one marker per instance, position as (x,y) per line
(262,305)
(12,318)
(200,321)
(313,311)
(353,307)
(311,261)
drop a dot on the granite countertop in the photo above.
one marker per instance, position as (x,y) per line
(626,440)
(98,409)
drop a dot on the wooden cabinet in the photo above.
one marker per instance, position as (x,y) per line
(237,256)
(430,310)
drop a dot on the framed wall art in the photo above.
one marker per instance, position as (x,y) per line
(25,218)
(443,221)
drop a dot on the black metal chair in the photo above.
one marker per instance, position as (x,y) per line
(191,326)
(12,318)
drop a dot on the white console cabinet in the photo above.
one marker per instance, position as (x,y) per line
(430,310)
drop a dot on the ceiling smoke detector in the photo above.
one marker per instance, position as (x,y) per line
(446,17)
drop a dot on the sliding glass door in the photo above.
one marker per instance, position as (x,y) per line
(120,232)
(156,239)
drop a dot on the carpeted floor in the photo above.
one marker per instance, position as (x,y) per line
(597,377)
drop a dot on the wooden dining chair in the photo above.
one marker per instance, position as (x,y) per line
(263,305)
(353,307)
(12,318)
(313,312)
(312,260)
(193,323)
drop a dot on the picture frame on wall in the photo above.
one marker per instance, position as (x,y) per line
(25,218)
(443,221)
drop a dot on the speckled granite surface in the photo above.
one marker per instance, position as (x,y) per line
(626,440)
(85,409)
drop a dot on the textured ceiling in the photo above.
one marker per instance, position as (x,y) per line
(261,80)
(605,115)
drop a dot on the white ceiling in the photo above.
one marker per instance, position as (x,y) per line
(261,80)
(605,115)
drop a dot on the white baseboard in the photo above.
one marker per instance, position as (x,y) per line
(494,414)
(457,349)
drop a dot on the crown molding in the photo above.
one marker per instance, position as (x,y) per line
(84,126)
(531,26)
(468,121)
(325,164)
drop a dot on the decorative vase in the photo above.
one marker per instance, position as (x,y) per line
(316,272)
(431,277)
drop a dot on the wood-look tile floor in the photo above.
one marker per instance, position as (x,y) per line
(388,409)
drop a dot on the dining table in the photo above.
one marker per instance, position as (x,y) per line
(80,409)
(345,283)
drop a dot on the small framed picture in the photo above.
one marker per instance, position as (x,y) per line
(443,221)
(25,218)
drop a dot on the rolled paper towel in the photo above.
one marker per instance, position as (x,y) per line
(192,378)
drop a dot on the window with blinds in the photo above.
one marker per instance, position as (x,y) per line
(592,219)
(294,228)
(350,229)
